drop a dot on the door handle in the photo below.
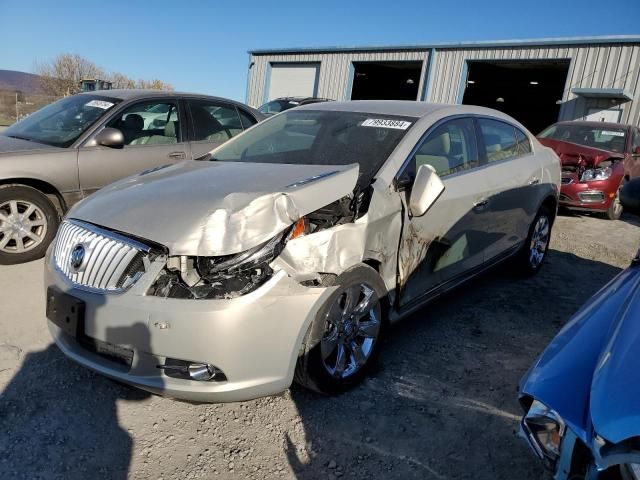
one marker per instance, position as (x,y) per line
(534,181)
(481,204)
(177,155)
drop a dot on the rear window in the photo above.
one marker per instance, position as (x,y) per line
(605,138)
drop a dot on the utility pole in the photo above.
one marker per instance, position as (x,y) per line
(16,106)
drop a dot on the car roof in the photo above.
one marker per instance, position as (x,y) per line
(403,108)
(594,124)
(133,93)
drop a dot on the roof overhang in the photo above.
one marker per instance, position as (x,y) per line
(612,93)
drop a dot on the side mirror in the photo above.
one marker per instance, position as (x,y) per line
(636,152)
(110,137)
(427,187)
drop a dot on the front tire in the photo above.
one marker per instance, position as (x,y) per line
(614,212)
(534,250)
(345,337)
(28,224)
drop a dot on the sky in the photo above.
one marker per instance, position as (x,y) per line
(201,46)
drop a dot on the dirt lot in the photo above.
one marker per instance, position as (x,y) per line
(442,403)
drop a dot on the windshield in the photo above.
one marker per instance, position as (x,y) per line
(320,138)
(604,138)
(61,123)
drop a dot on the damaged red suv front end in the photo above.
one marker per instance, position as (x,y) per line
(593,164)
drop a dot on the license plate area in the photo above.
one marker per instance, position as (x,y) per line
(65,311)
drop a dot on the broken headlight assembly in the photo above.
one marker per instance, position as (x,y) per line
(594,174)
(222,277)
(545,429)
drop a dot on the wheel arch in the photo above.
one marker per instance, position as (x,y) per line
(42,186)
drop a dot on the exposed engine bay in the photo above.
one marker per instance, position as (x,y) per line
(231,276)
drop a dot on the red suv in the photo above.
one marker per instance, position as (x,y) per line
(597,158)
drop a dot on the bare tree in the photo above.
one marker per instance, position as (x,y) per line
(61,76)
(118,80)
(154,84)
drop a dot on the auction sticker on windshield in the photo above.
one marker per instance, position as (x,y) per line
(386,123)
(100,104)
(612,133)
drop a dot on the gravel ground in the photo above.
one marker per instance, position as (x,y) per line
(441,404)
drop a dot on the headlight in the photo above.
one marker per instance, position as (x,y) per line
(545,428)
(226,276)
(593,174)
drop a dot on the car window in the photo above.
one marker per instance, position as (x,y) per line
(247,120)
(214,121)
(149,123)
(499,140)
(61,123)
(450,148)
(523,144)
(611,138)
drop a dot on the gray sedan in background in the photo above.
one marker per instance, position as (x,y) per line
(71,148)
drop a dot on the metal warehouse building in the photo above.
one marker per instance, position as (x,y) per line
(536,81)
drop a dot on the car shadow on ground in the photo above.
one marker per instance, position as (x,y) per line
(442,402)
(59,420)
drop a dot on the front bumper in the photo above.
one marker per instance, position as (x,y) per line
(593,196)
(253,339)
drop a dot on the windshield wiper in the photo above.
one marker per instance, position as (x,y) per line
(20,138)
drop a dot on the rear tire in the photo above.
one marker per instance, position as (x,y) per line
(531,257)
(344,339)
(28,224)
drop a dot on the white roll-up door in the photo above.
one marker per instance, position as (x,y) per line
(293,80)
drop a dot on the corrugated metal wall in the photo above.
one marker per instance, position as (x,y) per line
(602,65)
(592,66)
(334,70)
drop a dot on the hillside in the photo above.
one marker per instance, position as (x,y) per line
(25,82)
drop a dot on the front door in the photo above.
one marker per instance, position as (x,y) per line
(153,137)
(450,239)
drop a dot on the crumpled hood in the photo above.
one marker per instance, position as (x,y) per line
(11,145)
(588,373)
(215,208)
(574,154)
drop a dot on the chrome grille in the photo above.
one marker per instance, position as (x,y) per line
(106,260)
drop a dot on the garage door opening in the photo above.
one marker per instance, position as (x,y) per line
(386,80)
(529,91)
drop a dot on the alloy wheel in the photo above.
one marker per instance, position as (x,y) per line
(23,226)
(539,241)
(351,331)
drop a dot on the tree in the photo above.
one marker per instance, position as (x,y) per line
(118,80)
(61,76)
(154,84)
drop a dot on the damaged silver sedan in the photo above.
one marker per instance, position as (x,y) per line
(287,251)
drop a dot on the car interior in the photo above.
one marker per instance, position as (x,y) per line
(146,128)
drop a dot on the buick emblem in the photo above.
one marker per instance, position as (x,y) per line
(77,257)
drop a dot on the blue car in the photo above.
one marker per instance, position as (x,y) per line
(582,396)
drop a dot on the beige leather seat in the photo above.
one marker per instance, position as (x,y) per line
(170,136)
(435,152)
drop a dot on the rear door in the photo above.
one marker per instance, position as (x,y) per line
(153,137)
(450,239)
(512,173)
(212,124)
